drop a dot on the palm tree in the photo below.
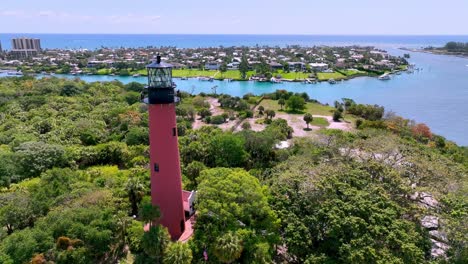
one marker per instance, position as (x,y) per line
(281,102)
(135,190)
(228,247)
(270,114)
(178,253)
(308,118)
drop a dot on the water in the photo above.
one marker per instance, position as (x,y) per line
(94,41)
(437,95)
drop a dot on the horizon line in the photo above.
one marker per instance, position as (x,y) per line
(237,34)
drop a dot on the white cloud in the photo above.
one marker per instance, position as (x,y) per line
(14,13)
(47,13)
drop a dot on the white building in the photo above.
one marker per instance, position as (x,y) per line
(212,66)
(318,66)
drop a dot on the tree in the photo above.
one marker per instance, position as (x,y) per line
(228,247)
(16,211)
(37,157)
(281,102)
(227,150)
(178,253)
(337,116)
(137,136)
(333,209)
(134,87)
(421,132)
(270,114)
(308,118)
(295,103)
(204,112)
(232,207)
(70,89)
(260,110)
(244,67)
(135,191)
(192,171)
(223,68)
(149,213)
(155,242)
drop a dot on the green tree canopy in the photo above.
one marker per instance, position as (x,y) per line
(295,103)
(231,200)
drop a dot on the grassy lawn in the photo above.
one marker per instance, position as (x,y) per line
(320,122)
(103,71)
(318,109)
(324,76)
(192,73)
(353,72)
(403,67)
(313,108)
(233,74)
(293,75)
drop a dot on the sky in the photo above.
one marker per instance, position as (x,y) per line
(335,17)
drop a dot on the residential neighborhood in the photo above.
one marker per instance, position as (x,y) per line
(291,63)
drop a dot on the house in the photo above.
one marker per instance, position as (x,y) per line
(188,199)
(176,65)
(357,57)
(212,65)
(296,66)
(275,66)
(318,66)
(233,65)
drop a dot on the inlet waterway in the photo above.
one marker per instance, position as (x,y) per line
(437,95)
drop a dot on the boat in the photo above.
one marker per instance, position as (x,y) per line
(274,80)
(136,75)
(205,79)
(332,81)
(18,73)
(184,78)
(384,77)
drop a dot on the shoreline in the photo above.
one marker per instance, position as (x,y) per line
(442,53)
(306,80)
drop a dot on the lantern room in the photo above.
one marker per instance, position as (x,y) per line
(160,85)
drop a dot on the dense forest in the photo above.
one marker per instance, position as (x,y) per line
(74,183)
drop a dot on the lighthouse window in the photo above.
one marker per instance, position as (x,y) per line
(156,167)
(174,131)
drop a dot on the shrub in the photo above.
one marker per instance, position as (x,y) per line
(217,120)
(337,115)
(137,136)
(204,112)
(359,123)
(246,126)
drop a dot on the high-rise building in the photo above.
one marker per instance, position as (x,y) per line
(25,47)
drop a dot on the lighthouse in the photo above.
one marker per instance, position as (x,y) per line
(166,181)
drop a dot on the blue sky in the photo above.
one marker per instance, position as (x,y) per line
(350,17)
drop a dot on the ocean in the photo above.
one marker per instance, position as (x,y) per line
(437,95)
(95,41)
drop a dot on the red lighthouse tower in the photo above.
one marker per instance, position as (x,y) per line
(166,181)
